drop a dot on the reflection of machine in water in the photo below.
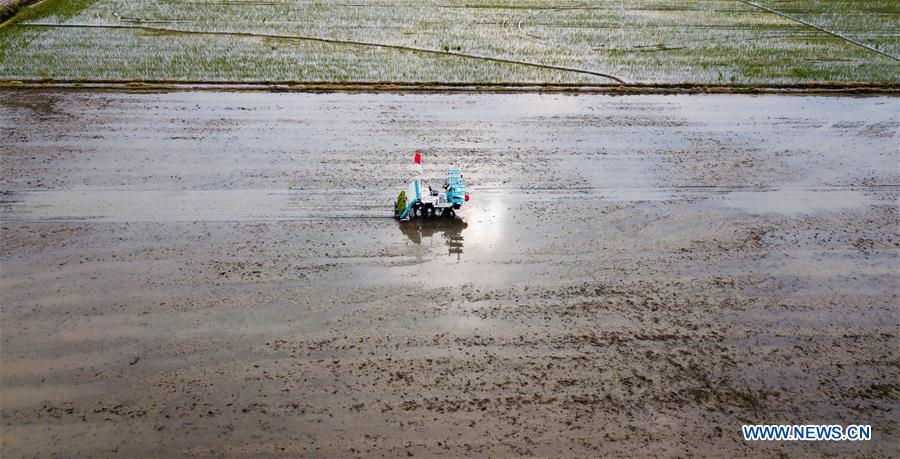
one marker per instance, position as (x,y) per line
(450,228)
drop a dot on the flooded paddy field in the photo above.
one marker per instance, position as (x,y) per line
(535,41)
(192,274)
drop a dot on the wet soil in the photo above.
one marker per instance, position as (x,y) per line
(196,274)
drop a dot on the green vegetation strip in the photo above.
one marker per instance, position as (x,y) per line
(821,29)
(718,42)
(329,40)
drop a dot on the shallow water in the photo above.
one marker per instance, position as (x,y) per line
(191,272)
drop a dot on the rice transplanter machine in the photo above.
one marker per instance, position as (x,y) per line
(420,200)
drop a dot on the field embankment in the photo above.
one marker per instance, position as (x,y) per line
(9,8)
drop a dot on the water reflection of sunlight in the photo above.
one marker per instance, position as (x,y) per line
(449,229)
(541,105)
(458,321)
(484,226)
(487,220)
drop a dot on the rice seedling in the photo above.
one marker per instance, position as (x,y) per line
(701,41)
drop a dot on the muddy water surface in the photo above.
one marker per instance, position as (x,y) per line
(218,273)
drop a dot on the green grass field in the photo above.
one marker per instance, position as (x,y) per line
(644,41)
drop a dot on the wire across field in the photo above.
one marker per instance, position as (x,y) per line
(645,41)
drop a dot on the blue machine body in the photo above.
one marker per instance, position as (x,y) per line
(456,187)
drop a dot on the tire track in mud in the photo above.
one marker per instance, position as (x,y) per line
(293,205)
(333,41)
(821,29)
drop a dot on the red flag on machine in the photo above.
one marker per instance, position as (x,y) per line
(417,158)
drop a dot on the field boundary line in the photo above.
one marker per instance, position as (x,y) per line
(330,40)
(168,85)
(821,29)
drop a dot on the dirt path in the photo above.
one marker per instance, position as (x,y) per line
(192,274)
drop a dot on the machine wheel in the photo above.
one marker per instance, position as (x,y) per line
(448,213)
(417,211)
(429,210)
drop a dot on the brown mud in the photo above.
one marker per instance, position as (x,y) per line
(217,273)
